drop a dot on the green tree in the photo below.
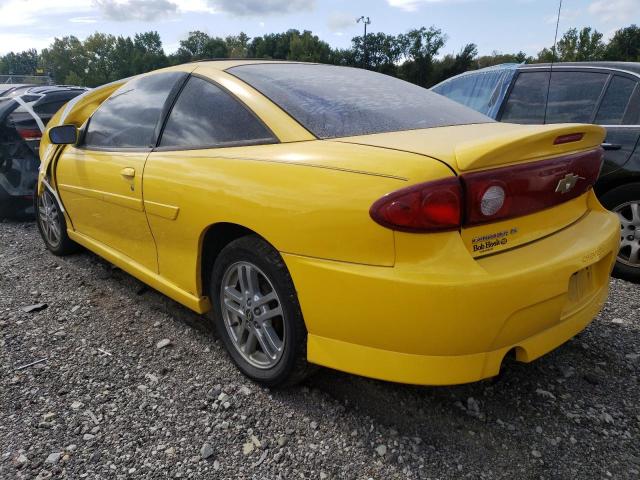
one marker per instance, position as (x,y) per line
(199,46)
(99,49)
(420,46)
(64,56)
(576,46)
(148,53)
(307,47)
(238,45)
(23,63)
(625,45)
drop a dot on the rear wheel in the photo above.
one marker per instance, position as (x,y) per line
(256,313)
(52,225)
(625,202)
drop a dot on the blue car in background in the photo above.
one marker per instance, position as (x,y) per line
(603,93)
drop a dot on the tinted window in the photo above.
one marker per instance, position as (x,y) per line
(129,116)
(527,98)
(206,115)
(338,101)
(614,104)
(573,96)
(483,91)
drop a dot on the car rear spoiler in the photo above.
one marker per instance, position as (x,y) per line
(526,144)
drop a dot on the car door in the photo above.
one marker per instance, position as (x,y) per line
(619,113)
(100,179)
(188,173)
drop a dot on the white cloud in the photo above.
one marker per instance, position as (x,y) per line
(615,10)
(18,13)
(250,8)
(19,42)
(141,10)
(410,5)
(338,21)
(83,20)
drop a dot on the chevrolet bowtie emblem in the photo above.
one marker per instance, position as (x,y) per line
(567,183)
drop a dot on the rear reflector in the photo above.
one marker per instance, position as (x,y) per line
(488,196)
(426,207)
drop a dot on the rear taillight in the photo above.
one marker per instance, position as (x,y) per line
(528,188)
(29,133)
(488,196)
(426,207)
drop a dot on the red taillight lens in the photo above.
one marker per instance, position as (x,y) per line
(490,195)
(530,187)
(29,133)
(426,207)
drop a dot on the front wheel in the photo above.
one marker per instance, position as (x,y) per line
(625,201)
(256,313)
(52,225)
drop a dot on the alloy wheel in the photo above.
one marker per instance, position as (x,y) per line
(253,314)
(48,217)
(629,215)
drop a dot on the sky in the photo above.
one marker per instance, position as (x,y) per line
(503,26)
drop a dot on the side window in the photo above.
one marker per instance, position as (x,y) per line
(573,96)
(129,116)
(204,115)
(527,98)
(616,101)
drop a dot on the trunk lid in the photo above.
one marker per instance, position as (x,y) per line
(485,150)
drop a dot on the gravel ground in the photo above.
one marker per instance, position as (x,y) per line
(109,403)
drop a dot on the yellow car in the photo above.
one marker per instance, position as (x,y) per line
(335,216)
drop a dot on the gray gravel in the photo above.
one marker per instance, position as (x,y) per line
(133,385)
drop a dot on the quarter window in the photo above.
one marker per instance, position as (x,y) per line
(573,96)
(527,99)
(128,118)
(205,115)
(616,101)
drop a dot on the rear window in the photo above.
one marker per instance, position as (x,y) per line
(334,101)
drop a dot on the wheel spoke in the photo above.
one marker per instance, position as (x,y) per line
(269,314)
(249,346)
(635,213)
(232,294)
(265,299)
(634,256)
(237,311)
(269,340)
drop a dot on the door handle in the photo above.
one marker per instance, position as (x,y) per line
(611,146)
(128,172)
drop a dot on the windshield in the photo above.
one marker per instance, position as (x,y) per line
(332,101)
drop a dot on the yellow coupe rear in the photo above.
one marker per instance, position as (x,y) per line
(333,216)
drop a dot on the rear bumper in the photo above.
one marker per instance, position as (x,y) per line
(409,324)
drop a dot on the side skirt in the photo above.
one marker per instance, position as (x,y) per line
(197,304)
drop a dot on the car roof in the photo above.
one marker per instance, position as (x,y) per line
(630,67)
(45,89)
(225,63)
(633,67)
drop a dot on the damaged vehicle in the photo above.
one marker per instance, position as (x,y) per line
(24,113)
(335,216)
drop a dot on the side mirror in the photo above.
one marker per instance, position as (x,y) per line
(63,135)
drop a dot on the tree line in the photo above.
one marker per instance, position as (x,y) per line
(412,56)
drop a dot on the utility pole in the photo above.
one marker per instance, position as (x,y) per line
(365,21)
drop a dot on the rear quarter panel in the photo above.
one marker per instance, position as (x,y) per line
(301,207)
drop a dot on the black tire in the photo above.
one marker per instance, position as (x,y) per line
(618,199)
(292,366)
(63,245)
